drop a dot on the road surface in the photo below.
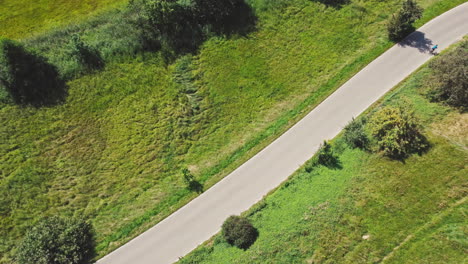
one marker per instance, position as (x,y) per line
(200,219)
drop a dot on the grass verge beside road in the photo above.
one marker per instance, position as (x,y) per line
(113,152)
(373,209)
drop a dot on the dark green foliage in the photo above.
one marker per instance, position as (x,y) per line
(239,232)
(325,156)
(181,28)
(216,12)
(190,181)
(27,77)
(397,133)
(85,55)
(174,23)
(449,81)
(355,135)
(401,23)
(55,240)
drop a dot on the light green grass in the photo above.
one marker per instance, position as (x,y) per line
(414,211)
(23,18)
(113,152)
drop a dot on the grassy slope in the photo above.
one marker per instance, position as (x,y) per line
(114,150)
(20,18)
(414,212)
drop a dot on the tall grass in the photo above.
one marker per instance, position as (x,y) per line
(113,151)
(373,209)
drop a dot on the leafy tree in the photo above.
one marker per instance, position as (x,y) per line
(397,133)
(215,11)
(56,240)
(238,231)
(449,79)
(173,23)
(84,54)
(355,135)
(27,77)
(401,24)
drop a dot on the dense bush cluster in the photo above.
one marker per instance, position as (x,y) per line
(401,24)
(397,133)
(28,77)
(449,79)
(57,240)
(238,231)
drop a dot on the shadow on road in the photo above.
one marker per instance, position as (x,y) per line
(417,40)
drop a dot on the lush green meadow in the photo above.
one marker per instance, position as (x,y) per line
(23,18)
(373,209)
(113,152)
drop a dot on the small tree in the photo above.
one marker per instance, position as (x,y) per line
(355,135)
(27,77)
(401,24)
(397,133)
(238,231)
(449,79)
(55,240)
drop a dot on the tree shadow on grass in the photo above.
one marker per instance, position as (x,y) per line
(242,21)
(417,40)
(195,186)
(32,80)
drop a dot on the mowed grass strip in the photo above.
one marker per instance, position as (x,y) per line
(371,210)
(114,151)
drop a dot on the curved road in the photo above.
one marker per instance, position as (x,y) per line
(200,219)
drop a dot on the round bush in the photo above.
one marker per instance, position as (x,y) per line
(239,232)
(397,133)
(56,240)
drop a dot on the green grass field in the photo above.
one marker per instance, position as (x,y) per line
(23,18)
(114,150)
(412,211)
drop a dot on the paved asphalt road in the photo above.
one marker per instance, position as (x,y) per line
(200,219)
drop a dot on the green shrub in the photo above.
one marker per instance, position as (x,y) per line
(239,232)
(449,81)
(401,24)
(397,133)
(27,77)
(325,157)
(88,57)
(355,135)
(57,240)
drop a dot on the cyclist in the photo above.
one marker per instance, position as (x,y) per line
(434,48)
